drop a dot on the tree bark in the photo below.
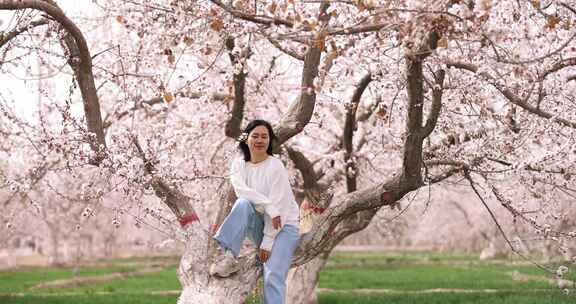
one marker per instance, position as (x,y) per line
(350,125)
(300,112)
(232,128)
(302,281)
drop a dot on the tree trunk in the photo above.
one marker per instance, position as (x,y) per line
(199,287)
(55,258)
(303,280)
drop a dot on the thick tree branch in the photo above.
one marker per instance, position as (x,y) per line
(177,201)
(557,67)
(226,198)
(314,192)
(305,166)
(367,112)
(232,128)
(287,51)
(414,85)
(324,235)
(350,126)
(300,112)
(80,60)
(13,34)
(412,157)
(353,211)
(437,91)
(265,20)
(358,29)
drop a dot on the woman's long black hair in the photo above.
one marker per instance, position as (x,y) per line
(243,146)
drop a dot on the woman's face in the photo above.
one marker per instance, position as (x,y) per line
(258,140)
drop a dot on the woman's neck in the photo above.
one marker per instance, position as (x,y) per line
(258,158)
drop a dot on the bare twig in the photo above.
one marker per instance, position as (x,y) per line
(472,184)
(13,34)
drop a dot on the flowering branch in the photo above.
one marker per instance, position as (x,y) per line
(513,98)
(13,34)
(80,61)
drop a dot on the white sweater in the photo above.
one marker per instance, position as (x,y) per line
(267,186)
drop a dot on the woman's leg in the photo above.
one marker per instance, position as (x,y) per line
(277,266)
(233,230)
(256,229)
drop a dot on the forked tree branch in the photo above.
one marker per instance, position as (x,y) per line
(80,61)
(300,112)
(14,33)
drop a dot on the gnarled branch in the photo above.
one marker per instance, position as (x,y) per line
(172,197)
(437,91)
(80,61)
(350,126)
(232,128)
(353,211)
(300,112)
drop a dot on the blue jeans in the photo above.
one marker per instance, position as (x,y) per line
(243,221)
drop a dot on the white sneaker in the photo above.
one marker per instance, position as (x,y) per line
(225,267)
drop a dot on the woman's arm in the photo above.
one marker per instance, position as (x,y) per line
(281,188)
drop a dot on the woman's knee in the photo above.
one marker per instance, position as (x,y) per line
(243,204)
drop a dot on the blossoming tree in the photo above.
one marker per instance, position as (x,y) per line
(389,95)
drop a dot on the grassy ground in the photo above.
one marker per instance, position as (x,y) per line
(365,278)
(25,280)
(329,298)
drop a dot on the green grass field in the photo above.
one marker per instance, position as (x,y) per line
(366,278)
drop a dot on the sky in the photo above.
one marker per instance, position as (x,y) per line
(18,90)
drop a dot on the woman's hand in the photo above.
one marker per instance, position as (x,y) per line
(277,222)
(263,255)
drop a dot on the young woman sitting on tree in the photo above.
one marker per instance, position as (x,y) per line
(265,210)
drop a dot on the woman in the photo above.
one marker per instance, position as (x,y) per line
(265,210)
